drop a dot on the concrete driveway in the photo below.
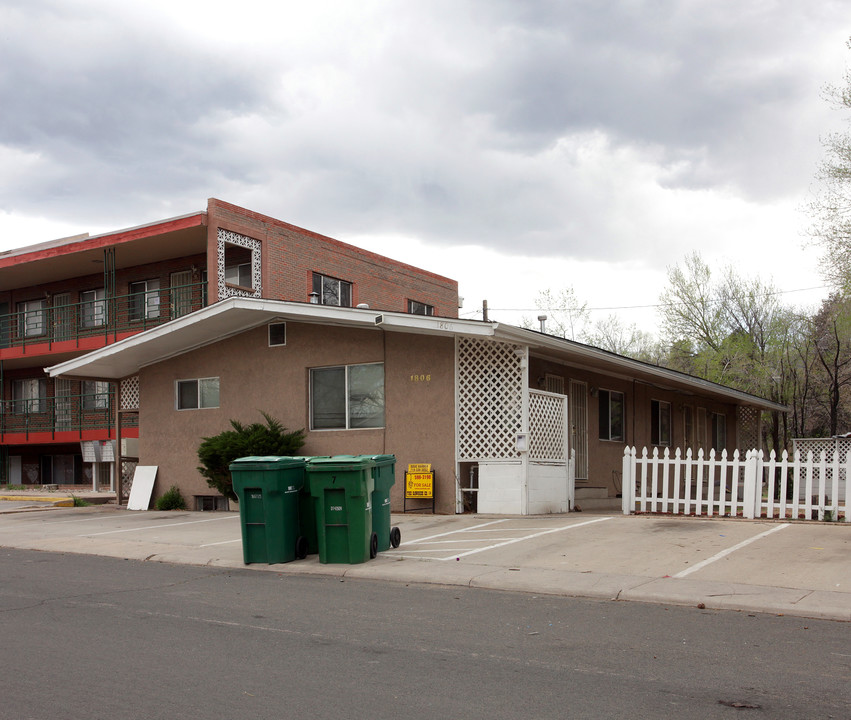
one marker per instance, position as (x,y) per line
(791,568)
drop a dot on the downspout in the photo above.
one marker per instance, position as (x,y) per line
(634,403)
(384,362)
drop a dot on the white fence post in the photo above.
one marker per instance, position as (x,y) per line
(750,482)
(628,481)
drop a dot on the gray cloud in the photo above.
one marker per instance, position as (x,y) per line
(545,127)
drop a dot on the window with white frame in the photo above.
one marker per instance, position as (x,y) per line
(95,394)
(331,291)
(420,308)
(611,415)
(144,299)
(239,275)
(719,431)
(277,334)
(29,396)
(347,397)
(197,394)
(32,318)
(660,422)
(92,308)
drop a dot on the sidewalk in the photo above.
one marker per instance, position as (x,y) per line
(801,569)
(41,498)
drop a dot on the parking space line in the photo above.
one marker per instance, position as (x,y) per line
(453,532)
(154,527)
(223,542)
(724,553)
(525,537)
(456,540)
(407,553)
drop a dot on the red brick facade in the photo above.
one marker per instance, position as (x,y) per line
(291,255)
(54,275)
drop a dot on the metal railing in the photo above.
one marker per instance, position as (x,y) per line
(41,322)
(60,414)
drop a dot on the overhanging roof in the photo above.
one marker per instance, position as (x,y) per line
(82,255)
(236,315)
(597,360)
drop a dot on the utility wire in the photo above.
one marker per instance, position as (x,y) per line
(626,307)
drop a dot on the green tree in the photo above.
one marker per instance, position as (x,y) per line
(216,453)
(730,330)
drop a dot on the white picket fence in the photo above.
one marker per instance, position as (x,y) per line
(809,487)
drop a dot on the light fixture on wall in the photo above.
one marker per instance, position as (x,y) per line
(314,298)
(593,391)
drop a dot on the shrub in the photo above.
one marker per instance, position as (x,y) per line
(171,500)
(216,453)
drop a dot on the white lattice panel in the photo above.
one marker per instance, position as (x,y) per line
(818,446)
(750,437)
(232,238)
(130,393)
(128,469)
(546,425)
(490,398)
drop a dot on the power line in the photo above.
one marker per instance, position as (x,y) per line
(627,307)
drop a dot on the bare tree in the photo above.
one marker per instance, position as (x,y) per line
(831,332)
(831,208)
(566,316)
(613,335)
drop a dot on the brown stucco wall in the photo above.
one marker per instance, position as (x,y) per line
(605,456)
(255,377)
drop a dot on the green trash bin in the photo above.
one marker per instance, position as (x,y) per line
(384,476)
(268,489)
(341,488)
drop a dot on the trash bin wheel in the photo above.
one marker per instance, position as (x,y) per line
(373,545)
(395,537)
(301,547)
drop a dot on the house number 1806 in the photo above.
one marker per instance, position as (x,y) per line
(421,378)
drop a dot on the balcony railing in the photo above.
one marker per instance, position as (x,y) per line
(77,414)
(39,322)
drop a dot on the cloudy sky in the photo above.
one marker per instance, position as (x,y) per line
(515,145)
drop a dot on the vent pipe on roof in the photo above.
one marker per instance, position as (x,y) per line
(543,320)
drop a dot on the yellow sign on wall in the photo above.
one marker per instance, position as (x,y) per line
(419,484)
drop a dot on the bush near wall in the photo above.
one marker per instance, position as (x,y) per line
(216,453)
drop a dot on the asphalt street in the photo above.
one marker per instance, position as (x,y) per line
(87,637)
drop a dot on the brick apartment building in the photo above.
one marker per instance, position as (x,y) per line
(62,299)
